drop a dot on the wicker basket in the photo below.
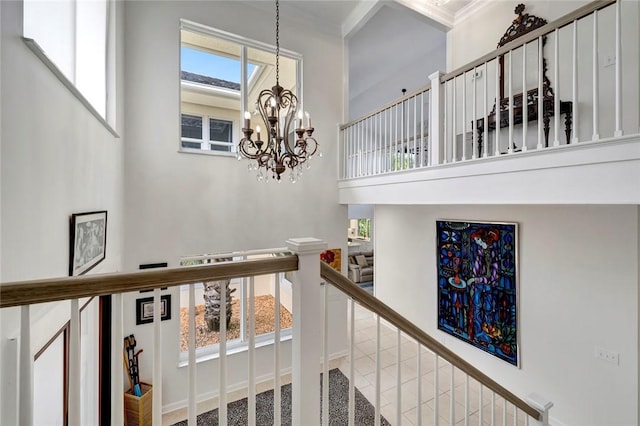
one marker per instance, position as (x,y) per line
(138,409)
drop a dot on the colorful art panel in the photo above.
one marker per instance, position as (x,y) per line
(477,285)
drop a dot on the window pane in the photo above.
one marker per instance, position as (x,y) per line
(191,126)
(220,130)
(220,148)
(191,145)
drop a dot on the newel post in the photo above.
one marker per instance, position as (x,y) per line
(307,330)
(436,119)
(542,404)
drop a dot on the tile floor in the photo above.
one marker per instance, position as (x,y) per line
(365,379)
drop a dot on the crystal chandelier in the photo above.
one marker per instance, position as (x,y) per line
(281,150)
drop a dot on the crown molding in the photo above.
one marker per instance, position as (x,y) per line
(430,10)
(469,10)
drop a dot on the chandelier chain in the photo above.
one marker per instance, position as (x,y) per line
(277,42)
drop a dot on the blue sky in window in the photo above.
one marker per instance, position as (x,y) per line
(208,64)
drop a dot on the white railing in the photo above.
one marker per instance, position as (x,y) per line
(312,332)
(389,355)
(491,107)
(393,138)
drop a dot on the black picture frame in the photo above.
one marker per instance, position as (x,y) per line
(87,241)
(144,309)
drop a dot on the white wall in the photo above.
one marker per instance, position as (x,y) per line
(479,34)
(394,50)
(183,204)
(56,159)
(578,289)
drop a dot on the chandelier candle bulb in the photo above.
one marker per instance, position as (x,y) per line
(247,120)
(299,126)
(308,120)
(258,132)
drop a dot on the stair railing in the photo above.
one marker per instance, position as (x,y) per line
(536,408)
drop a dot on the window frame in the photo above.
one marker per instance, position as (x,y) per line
(245,79)
(108,115)
(241,343)
(206,140)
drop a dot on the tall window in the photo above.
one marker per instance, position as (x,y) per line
(72,35)
(221,76)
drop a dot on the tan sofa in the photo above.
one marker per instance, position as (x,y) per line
(361,266)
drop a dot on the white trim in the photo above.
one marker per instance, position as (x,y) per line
(35,48)
(206,30)
(235,346)
(469,10)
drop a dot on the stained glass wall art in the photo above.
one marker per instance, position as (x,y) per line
(477,285)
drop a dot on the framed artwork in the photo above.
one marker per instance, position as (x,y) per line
(144,309)
(333,257)
(87,242)
(477,285)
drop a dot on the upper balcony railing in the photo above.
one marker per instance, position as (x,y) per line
(585,66)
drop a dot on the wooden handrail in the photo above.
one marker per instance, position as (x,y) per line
(533,35)
(50,290)
(348,287)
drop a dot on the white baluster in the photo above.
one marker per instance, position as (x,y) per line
(618,59)
(436,390)
(596,135)
(352,362)
(540,93)
(325,356)
(493,408)
(395,149)
(510,148)
(74,364)
(25,378)
(466,398)
(574,98)
(398,377)
(415,131)
(452,402)
(422,141)
(191,409)
(222,360)
(480,404)
(504,412)
(464,116)
(117,380)
(525,98)
(498,109)
(474,116)
(378,365)
(157,359)
(276,357)
(556,98)
(485,152)
(454,146)
(418,385)
(251,352)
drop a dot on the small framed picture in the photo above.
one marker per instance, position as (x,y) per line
(87,242)
(144,309)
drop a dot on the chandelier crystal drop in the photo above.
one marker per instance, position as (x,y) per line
(280,150)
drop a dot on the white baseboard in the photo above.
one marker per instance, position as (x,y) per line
(182,404)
